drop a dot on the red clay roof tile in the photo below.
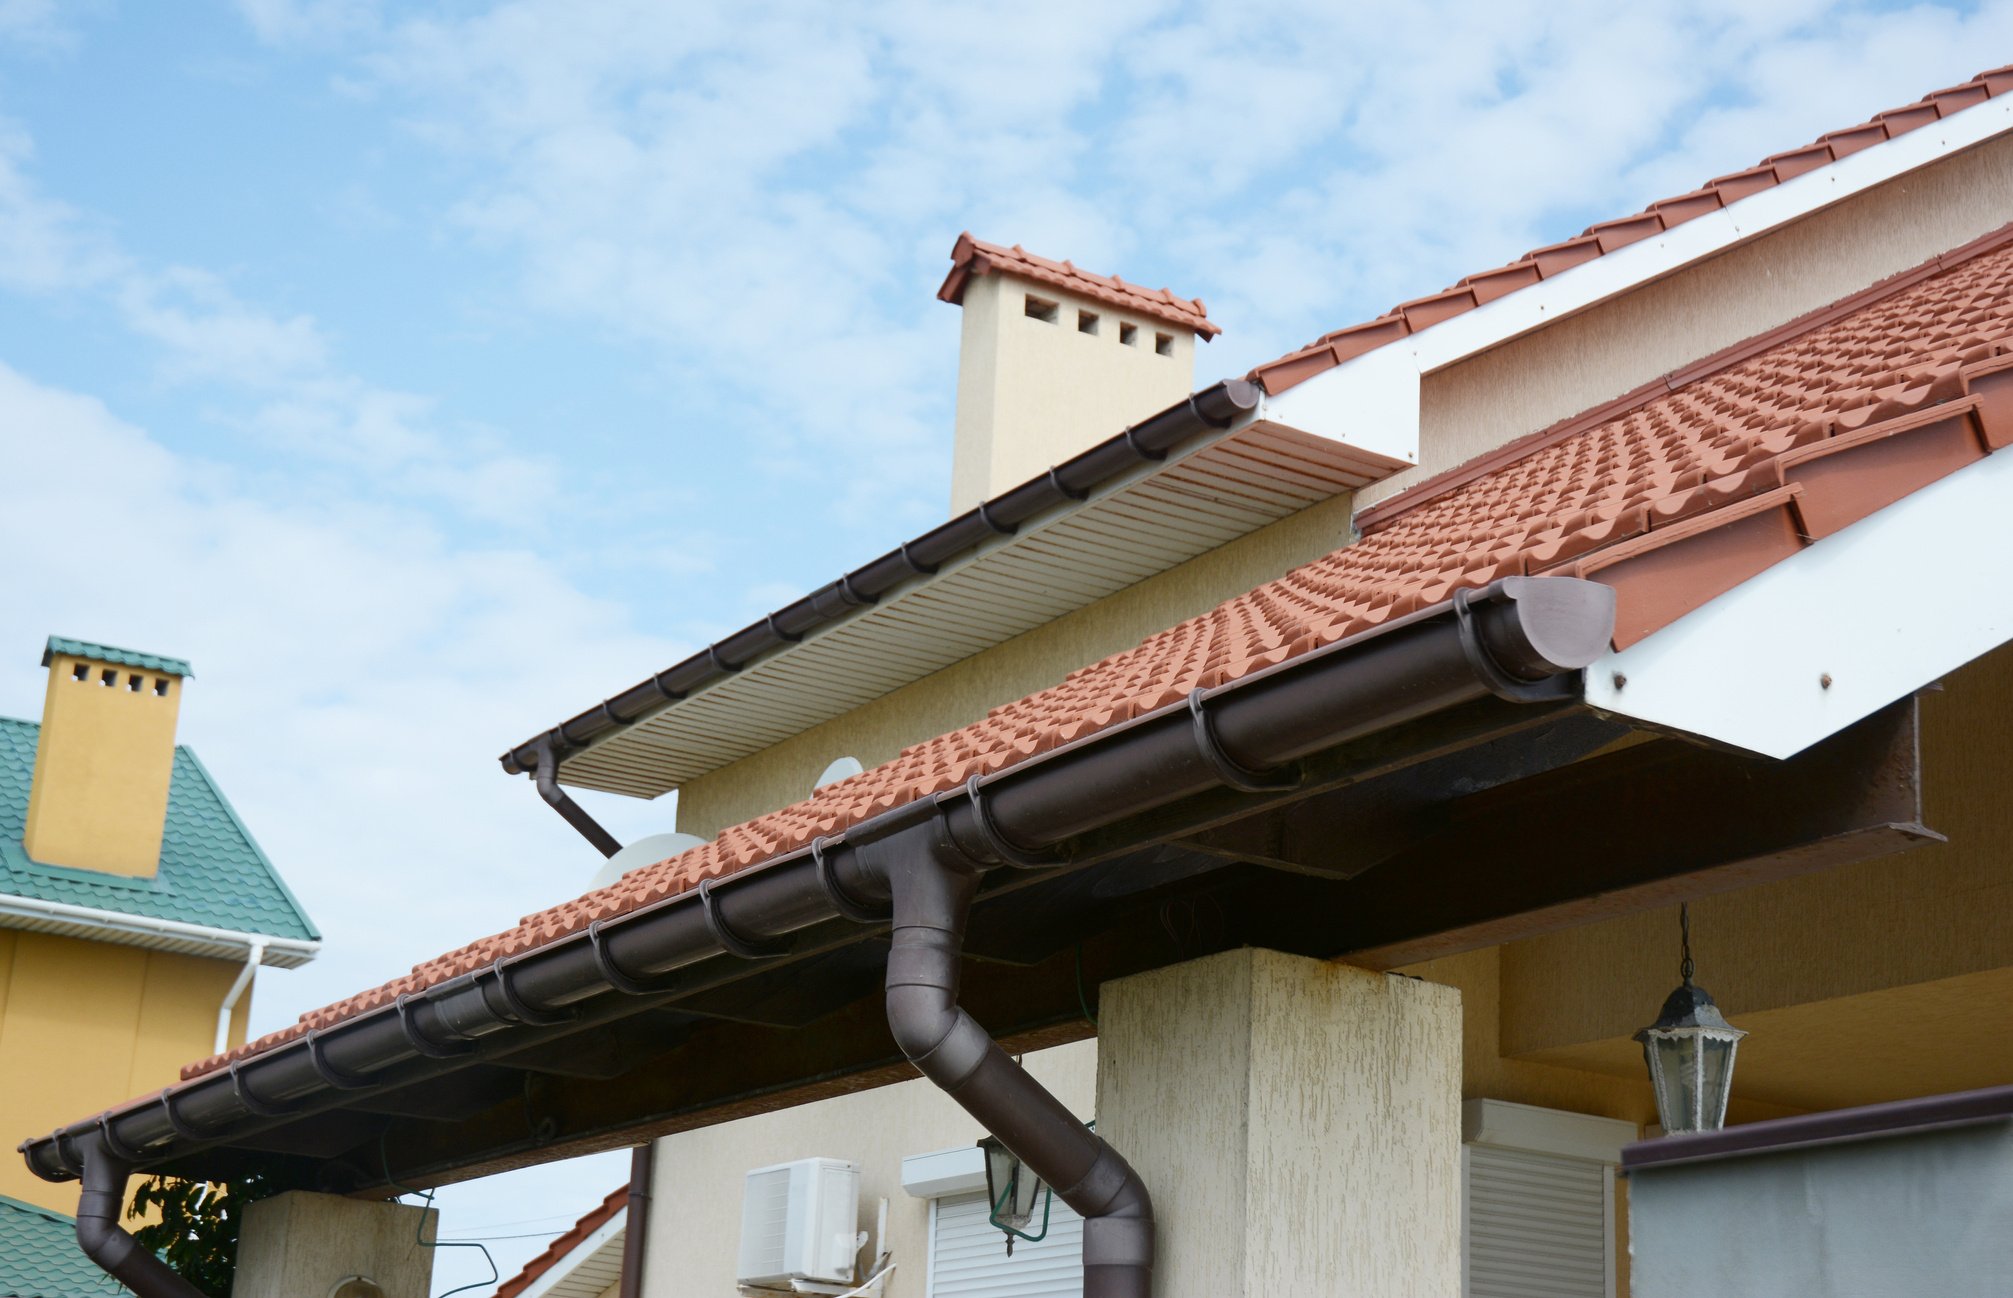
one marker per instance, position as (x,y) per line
(1299,366)
(973,257)
(556,1251)
(1693,484)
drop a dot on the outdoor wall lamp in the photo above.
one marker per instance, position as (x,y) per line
(1013,1191)
(1689,1051)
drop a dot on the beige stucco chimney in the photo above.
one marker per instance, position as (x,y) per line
(104,758)
(1054,360)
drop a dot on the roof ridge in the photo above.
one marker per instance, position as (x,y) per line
(1603,237)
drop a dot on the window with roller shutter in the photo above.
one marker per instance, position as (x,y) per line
(1538,1201)
(968,1257)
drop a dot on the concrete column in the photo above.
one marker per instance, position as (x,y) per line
(1297,1123)
(304,1245)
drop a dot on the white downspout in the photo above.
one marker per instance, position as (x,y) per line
(255,955)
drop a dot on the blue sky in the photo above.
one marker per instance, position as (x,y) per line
(425,373)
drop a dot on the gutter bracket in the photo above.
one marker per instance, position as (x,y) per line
(547,778)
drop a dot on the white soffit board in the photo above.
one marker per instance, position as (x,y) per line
(1212,491)
(589,1267)
(1883,608)
(1372,400)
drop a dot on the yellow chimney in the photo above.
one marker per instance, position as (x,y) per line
(1054,360)
(104,759)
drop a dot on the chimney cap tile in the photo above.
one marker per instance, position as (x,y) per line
(105,653)
(973,257)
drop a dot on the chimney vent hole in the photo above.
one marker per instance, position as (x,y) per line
(1086,322)
(1042,309)
(1128,334)
(80,673)
(133,683)
(1163,344)
(108,678)
(161,686)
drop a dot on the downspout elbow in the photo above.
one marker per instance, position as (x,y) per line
(932,890)
(108,1244)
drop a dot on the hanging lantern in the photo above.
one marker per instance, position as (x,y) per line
(1690,1051)
(1015,1193)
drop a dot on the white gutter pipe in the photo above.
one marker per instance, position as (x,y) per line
(288,952)
(255,955)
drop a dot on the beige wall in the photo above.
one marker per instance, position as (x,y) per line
(1032,393)
(1532,382)
(695,1212)
(963,692)
(103,763)
(86,1025)
(1298,1124)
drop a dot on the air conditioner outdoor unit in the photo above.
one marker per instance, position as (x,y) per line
(800,1221)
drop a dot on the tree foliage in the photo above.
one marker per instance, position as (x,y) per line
(196,1229)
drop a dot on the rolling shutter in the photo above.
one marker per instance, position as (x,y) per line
(1537,1225)
(968,1257)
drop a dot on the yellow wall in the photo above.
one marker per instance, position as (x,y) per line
(1033,393)
(85,1025)
(963,692)
(102,767)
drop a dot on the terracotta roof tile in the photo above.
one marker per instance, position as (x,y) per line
(1671,496)
(972,257)
(556,1251)
(1299,366)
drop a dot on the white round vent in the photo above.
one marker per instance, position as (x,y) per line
(645,851)
(842,768)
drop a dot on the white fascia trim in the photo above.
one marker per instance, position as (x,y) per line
(957,1170)
(280,952)
(1372,400)
(1836,631)
(580,1254)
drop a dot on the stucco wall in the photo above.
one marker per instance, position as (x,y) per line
(85,1025)
(695,1213)
(963,692)
(1532,382)
(1298,1123)
(1032,393)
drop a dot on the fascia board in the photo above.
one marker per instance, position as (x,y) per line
(1372,400)
(579,1254)
(1836,631)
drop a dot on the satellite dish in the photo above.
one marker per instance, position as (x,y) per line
(645,851)
(842,768)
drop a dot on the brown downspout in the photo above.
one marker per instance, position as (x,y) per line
(932,879)
(638,1219)
(107,1243)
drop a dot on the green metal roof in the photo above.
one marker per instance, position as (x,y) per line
(211,871)
(105,653)
(39,1257)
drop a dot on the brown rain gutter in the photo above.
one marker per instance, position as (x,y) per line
(1216,407)
(1523,638)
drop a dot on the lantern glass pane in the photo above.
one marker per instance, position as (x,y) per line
(1716,1077)
(1677,1079)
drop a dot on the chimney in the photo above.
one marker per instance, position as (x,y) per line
(104,758)
(1054,360)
